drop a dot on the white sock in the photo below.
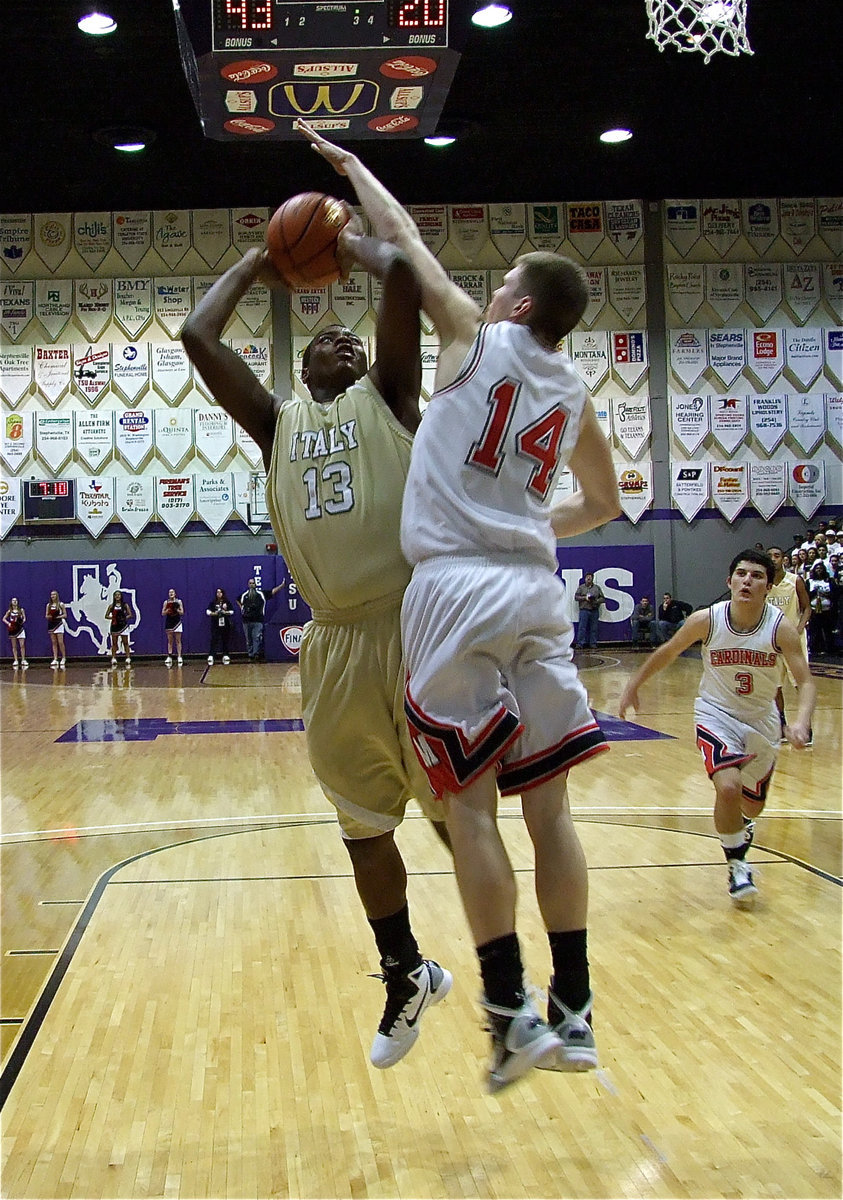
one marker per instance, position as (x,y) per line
(731,841)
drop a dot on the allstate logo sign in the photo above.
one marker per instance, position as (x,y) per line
(291,638)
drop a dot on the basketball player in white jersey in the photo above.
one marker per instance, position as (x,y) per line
(744,640)
(790,594)
(493,697)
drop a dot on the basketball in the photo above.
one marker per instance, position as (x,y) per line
(302,239)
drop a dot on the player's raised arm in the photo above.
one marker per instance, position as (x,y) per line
(231,382)
(695,629)
(798,732)
(596,501)
(453,312)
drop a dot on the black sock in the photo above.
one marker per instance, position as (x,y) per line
(502,971)
(398,948)
(570,980)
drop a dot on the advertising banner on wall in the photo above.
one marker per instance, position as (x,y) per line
(15,238)
(214,500)
(91,370)
(682,224)
(627,290)
(10,505)
(213,434)
(133,436)
(727,353)
(174,502)
(624,224)
(721,224)
(685,288)
(135,503)
(95,503)
(768,487)
(806,486)
(632,422)
(724,288)
(803,354)
(590,356)
(15,373)
(16,444)
(597,294)
(130,369)
(350,298)
(468,228)
(256,355)
(173,434)
(688,354)
(52,238)
(635,488)
(432,223)
(171,235)
(763,288)
(94,437)
(310,305)
(93,305)
(248,227)
(252,308)
(170,370)
(172,298)
(17,306)
(729,421)
(834,417)
(508,228)
(760,222)
(802,287)
(730,487)
(690,421)
(546,226)
(689,486)
(585,225)
(132,236)
(92,234)
(806,419)
(768,419)
(210,233)
(54,439)
(53,304)
(798,222)
(52,372)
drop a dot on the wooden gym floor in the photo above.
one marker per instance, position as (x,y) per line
(185,1004)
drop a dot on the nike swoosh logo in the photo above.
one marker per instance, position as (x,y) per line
(411,1021)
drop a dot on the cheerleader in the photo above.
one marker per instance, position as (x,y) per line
(14,620)
(55,614)
(173,612)
(119,612)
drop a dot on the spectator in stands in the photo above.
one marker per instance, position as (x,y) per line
(589,596)
(820,627)
(643,616)
(671,616)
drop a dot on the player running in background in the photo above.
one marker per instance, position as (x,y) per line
(744,640)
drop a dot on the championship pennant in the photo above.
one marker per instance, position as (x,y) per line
(134,503)
(95,504)
(15,373)
(174,502)
(10,504)
(689,486)
(54,438)
(15,238)
(767,487)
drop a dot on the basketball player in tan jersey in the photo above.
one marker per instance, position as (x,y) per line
(336,465)
(790,595)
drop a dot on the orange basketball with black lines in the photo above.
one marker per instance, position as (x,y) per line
(302,239)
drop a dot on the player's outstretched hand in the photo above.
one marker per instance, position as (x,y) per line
(629,699)
(335,155)
(349,236)
(797,735)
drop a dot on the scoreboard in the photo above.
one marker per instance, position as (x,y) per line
(364,69)
(49,500)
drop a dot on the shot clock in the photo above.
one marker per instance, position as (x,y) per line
(49,500)
(374,69)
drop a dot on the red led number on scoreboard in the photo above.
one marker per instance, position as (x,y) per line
(255,15)
(422,13)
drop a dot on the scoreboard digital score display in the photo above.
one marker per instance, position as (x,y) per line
(49,500)
(368,69)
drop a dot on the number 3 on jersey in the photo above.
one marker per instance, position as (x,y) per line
(538,442)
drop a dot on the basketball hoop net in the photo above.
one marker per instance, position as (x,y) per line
(706,26)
